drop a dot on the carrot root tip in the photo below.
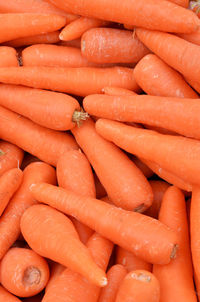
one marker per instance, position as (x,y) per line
(79,116)
(174,250)
(32,275)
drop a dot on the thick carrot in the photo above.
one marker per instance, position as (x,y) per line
(76,28)
(79,81)
(9,183)
(117,91)
(192,37)
(8,57)
(115,276)
(23,272)
(56,269)
(6,296)
(176,279)
(124,183)
(160,13)
(143,167)
(139,286)
(10,220)
(172,153)
(114,223)
(110,45)
(52,235)
(155,77)
(177,114)
(46,144)
(176,52)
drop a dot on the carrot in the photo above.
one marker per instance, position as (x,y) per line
(139,286)
(106,45)
(135,13)
(73,43)
(176,279)
(192,37)
(51,234)
(172,153)
(76,28)
(78,81)
(115,276)
(46,144)
(6,296)
(10,220)
(155,77)
(177,114)
(56,270)
(23,272)
(75,174)
(9,183)
(117,91)
(8,57)
(54,56)
(70,286)
(114,223)
(165,45)
(143,167)
(10,157)
(124,183)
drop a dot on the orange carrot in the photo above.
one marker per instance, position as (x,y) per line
(115,276)
(124,183)
(6,296)
(73,43)
(10,220)
(51,234)
(136,13)
(106,45)
(192,37)
(165,45)
(172,153)
(114,223)
(176,278)
(56,269)
(8,57)
(76,28)
(23,272)
(78,81)
(155,77)
(117,91)
(139,286)
(44,143)
(143,167)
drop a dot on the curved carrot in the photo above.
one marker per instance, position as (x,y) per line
(79,81)
(6,296)
(44,143)
(109,90)
(115,276)
(114,223)
(135,13)
(124,183)
(8,57)
(192,37)
(180,286)
(51,234)
(56,269)
(139,286)
(110,45)
(143,167)
(155,77)
(23,272)
(10,220)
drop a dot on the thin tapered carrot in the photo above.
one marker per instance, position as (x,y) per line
(139,286)
(115,276)
(114,223)
(155,77)
(176,279)
(44,143)
(172,153)
(70,286)
(106,45)
(6,296)
(23,272)
(56,269)
(9,183)
(52,235)
(117,91)
(136,13)
(76,28)
(8,57)
(143,167)
(124,183)
(79,81)
(180,115)
(176,52)
(10,220)
(192,37)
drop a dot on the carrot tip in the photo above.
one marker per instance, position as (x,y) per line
(104,281)
(32,275)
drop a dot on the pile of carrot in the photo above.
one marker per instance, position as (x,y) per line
(99,151)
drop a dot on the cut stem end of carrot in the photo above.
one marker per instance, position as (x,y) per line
(32,275)
(79,116)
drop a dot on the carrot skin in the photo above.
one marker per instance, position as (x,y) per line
(8,57)
(6,296)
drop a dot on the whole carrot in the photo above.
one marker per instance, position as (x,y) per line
(10,220)
(110,45)
(6,296)
(8,57)
(23,272)
(51,234)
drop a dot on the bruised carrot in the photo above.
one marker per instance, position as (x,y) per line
(176,279)
(143,167)
(6,296)
(117,91)
(56,269)
(124,183)
(23,272)
(79,81)
(52,235)
(107,45)
(10,220)
(8,57)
